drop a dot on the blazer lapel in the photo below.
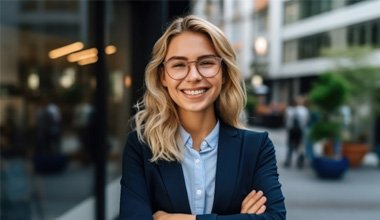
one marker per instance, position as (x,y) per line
(173,179)
(227,167)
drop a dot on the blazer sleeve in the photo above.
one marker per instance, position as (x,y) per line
(134,200)
(265,178)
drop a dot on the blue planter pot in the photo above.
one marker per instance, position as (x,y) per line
(328,168)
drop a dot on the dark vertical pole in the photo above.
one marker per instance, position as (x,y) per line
(149,20)
(147,25)
(100,128)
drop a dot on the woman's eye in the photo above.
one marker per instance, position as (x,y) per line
(178,65)
(206,63)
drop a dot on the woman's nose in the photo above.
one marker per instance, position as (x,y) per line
(193,74)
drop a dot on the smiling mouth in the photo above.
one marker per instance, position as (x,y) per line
(194,92)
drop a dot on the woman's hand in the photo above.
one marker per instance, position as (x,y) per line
(254,203)
(161,215)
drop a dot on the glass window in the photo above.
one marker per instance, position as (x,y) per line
(290,51)
(295,10)
(263,20)
(311,8)
(375,33)
(306,47)
(291,12)
(366,33)
(46,105)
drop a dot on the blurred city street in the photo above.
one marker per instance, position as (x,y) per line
(356,196)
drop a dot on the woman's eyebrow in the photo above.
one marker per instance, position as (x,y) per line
(185,58)
(177,58)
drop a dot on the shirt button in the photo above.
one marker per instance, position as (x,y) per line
(199,192)
(197,161)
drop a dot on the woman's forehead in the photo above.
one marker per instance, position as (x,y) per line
(190,45)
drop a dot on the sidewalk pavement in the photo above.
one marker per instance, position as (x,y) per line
(307,197)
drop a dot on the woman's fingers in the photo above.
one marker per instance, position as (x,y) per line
(261,210)
(252,193)
(256,206)
(253,203)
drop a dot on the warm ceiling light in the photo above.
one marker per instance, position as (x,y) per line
(88,60)
(33,81)
(110,49)
(81,55)
(62,51)
(128,81)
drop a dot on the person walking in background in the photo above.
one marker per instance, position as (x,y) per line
(83,121)
(189,156)
(313,118)
(297,117)
(48,127)
(54,120)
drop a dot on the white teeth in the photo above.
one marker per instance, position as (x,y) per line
(194,92)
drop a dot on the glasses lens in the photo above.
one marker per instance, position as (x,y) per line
(177,69)
(208,66)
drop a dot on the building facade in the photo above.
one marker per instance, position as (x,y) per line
(306,28)
(295,32)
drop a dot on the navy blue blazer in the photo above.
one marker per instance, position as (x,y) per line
(246,161)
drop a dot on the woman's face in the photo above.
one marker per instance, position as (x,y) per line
(194,93)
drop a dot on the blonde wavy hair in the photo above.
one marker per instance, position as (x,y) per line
(157,120)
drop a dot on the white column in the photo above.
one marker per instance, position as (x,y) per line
(275,38)
(199,8)
(227,17)
(246,56)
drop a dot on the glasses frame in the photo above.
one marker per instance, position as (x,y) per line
(196,66)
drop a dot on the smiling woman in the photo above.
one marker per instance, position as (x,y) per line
(189,156)
(193,91)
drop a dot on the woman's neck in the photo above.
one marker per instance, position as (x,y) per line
(198,125)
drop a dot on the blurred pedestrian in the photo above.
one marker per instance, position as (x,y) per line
(296,123)
(48,127)
(83,115)
(313,118)
(54,114)
(188,157)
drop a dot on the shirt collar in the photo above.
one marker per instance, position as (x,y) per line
(209,143)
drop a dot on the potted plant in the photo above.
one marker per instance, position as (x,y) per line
(328,94)
(364,106)
(363,102)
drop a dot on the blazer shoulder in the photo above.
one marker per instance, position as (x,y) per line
(245,133)
(132,135)
(257,135)
(133,141)
(255,142)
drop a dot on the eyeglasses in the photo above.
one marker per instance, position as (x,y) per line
(207,66)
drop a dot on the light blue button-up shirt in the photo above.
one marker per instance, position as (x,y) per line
(199,170)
